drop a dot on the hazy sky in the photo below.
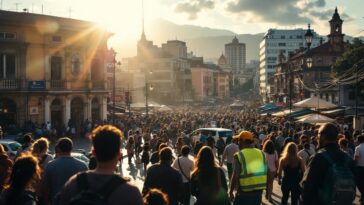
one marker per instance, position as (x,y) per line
(123,17)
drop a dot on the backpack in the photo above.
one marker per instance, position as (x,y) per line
(90,197)
(339,185)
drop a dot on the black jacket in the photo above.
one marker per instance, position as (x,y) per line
(315,173)
(167,179)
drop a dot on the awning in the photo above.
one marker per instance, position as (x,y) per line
(315,118)
(267,106)
(299,113)
(315,102)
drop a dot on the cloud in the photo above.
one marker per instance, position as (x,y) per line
(286,12)
(327,14)
(193,7)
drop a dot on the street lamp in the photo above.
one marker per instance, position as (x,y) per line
(113,52)
(309,62)
(309,37)
(148,87)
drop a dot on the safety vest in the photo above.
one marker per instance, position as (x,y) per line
(253,175)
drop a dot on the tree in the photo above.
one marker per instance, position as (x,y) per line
(350,58)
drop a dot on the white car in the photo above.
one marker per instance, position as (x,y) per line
(215,132)
(11,147)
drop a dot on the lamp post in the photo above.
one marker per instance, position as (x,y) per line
(309,37)
(113,87)
(148,87)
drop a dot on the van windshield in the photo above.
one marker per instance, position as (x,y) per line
(226,133)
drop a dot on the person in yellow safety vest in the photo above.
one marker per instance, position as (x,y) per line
(249,177)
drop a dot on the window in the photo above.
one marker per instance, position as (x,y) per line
(7,66)
(57,39)
(281,44)
(76,65)
(299,37)
(56,66)
(7,35)
(283,37)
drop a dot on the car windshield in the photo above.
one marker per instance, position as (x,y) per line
(14,146)
(226,133)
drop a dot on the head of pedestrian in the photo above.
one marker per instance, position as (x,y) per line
(156,197)
(27,139)
(185,150)
(64,146)
(166,156)
(106,145)
(245,139)
(25,172)
(328,133)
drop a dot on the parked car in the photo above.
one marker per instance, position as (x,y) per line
(81,157)
(215,132)
(11,147)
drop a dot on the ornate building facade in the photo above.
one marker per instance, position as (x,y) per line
(54,70)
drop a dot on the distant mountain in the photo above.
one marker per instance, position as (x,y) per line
(202,41)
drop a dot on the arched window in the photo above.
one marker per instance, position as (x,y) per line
(76,65)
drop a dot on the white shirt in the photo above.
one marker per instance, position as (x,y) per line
(305,154)
(187,166)
(229,152)
(359,152)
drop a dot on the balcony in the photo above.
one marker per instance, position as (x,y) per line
(6,84)
(58,84)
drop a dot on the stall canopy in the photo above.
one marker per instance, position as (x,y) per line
(267,106)
(237,104)
(315,102)
(315,119)
(293,113)
(164,108)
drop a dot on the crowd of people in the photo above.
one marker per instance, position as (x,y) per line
(312,165)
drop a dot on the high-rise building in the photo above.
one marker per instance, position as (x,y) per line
(278,41)
(236,55)
(175,48)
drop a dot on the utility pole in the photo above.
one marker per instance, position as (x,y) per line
(356,93)
(16,6)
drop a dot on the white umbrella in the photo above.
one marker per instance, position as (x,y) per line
(237,104)
(314,102)
(164,109)
(315,118)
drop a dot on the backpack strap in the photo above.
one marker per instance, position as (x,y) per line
(110,186)
(82,182)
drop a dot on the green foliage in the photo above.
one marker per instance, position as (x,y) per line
(351,57)
(240,89)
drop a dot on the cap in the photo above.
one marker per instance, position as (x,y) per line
(244,135)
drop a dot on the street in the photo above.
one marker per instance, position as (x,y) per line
(136,174)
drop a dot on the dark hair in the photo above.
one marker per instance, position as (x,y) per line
(329,131)
(25,170)
(185,150)
(166,154)
(205,167)
(156,197)
(343,142)
(106,142)
(146,147)
(27,138)
(307,145)
(268,147)
(361,139)
(162,145)
(64,144)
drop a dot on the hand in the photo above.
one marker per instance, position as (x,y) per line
(231,195)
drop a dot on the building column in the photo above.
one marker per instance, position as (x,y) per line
(67,110)
(103,108)
(47,109)
(89,108)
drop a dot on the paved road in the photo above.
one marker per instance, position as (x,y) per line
(136,174)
